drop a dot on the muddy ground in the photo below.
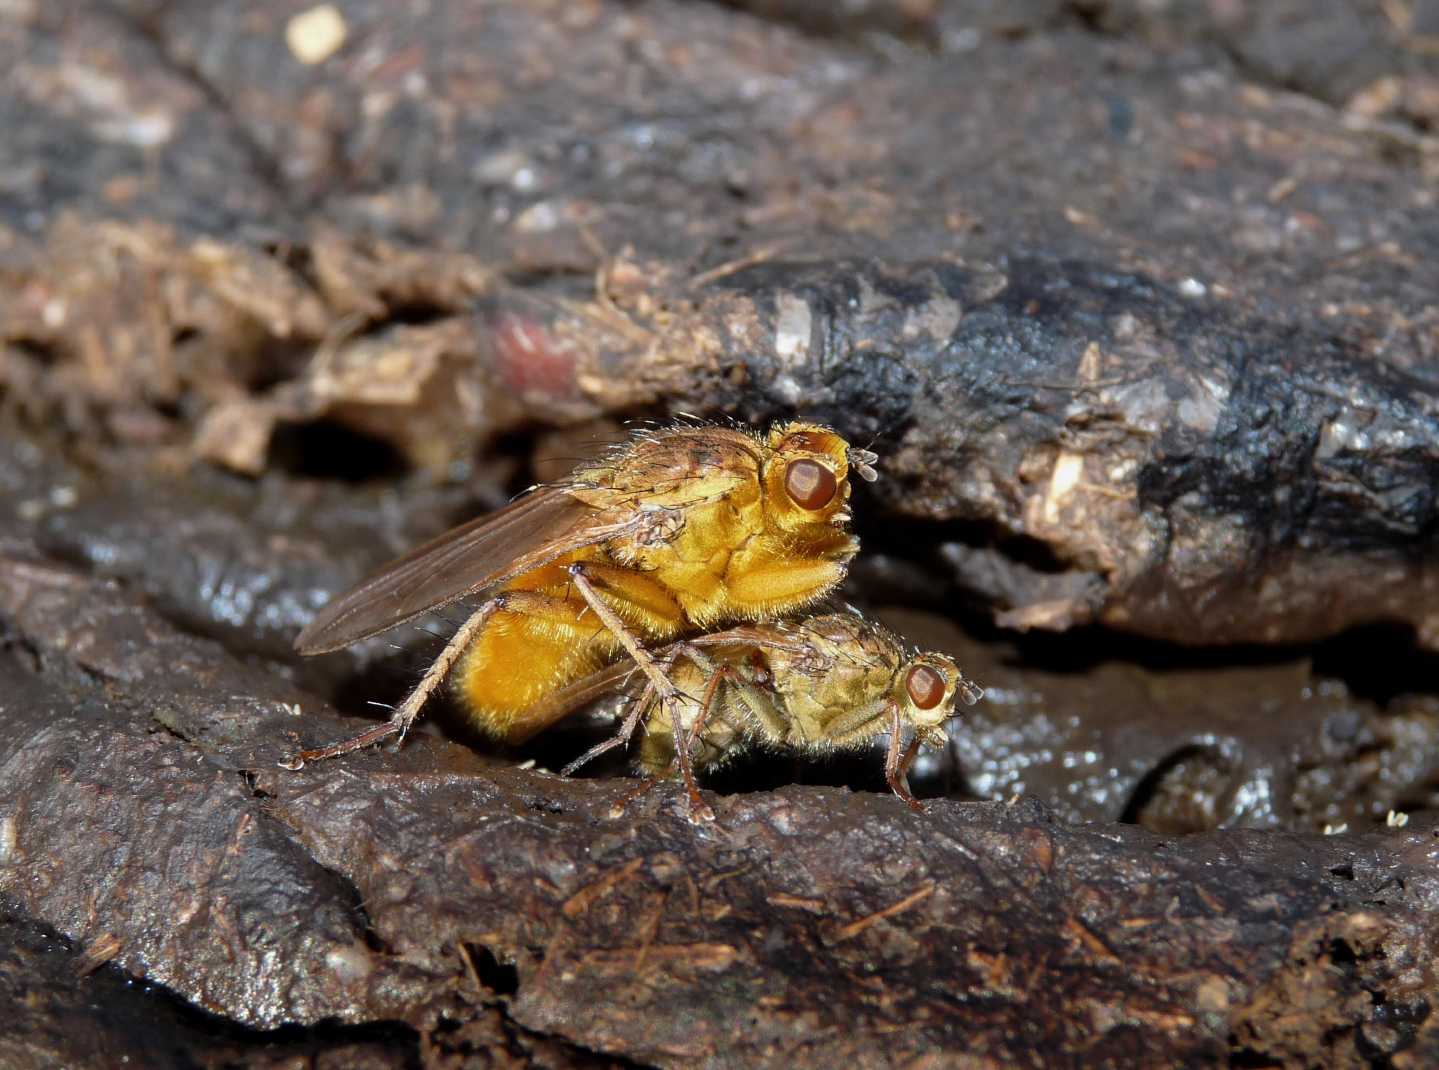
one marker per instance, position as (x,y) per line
(1135,301)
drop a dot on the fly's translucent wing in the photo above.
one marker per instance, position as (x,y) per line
(540,527)
(543,525)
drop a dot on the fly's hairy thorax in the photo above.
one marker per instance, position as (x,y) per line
(696,563)
(815,702)
(842,665)
(545,636)
(724,557)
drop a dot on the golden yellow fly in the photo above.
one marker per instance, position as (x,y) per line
(829,682)
(676,531)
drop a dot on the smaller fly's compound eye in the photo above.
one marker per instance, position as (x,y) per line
(810,484)
(925,686)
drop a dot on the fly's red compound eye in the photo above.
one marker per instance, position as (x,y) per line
(925,686)
(810,484)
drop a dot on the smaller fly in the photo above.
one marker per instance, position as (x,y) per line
(834,681)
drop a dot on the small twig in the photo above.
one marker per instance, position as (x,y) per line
(854,928)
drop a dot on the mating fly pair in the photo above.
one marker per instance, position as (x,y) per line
(672,535)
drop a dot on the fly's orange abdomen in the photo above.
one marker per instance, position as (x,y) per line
(545,637)
(518,660)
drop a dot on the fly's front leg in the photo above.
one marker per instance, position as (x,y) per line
(910,753)
(406,712)
(905,762)
(783,580)
(896,767)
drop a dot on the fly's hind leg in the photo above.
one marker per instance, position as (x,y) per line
(896,768)
(684,738)
(406,712)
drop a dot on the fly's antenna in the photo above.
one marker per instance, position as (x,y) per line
(970,691)
(862,461)
(867,456)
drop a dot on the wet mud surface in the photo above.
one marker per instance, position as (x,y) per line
(1134,301)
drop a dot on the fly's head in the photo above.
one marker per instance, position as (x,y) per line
(806,472)
(925,689)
